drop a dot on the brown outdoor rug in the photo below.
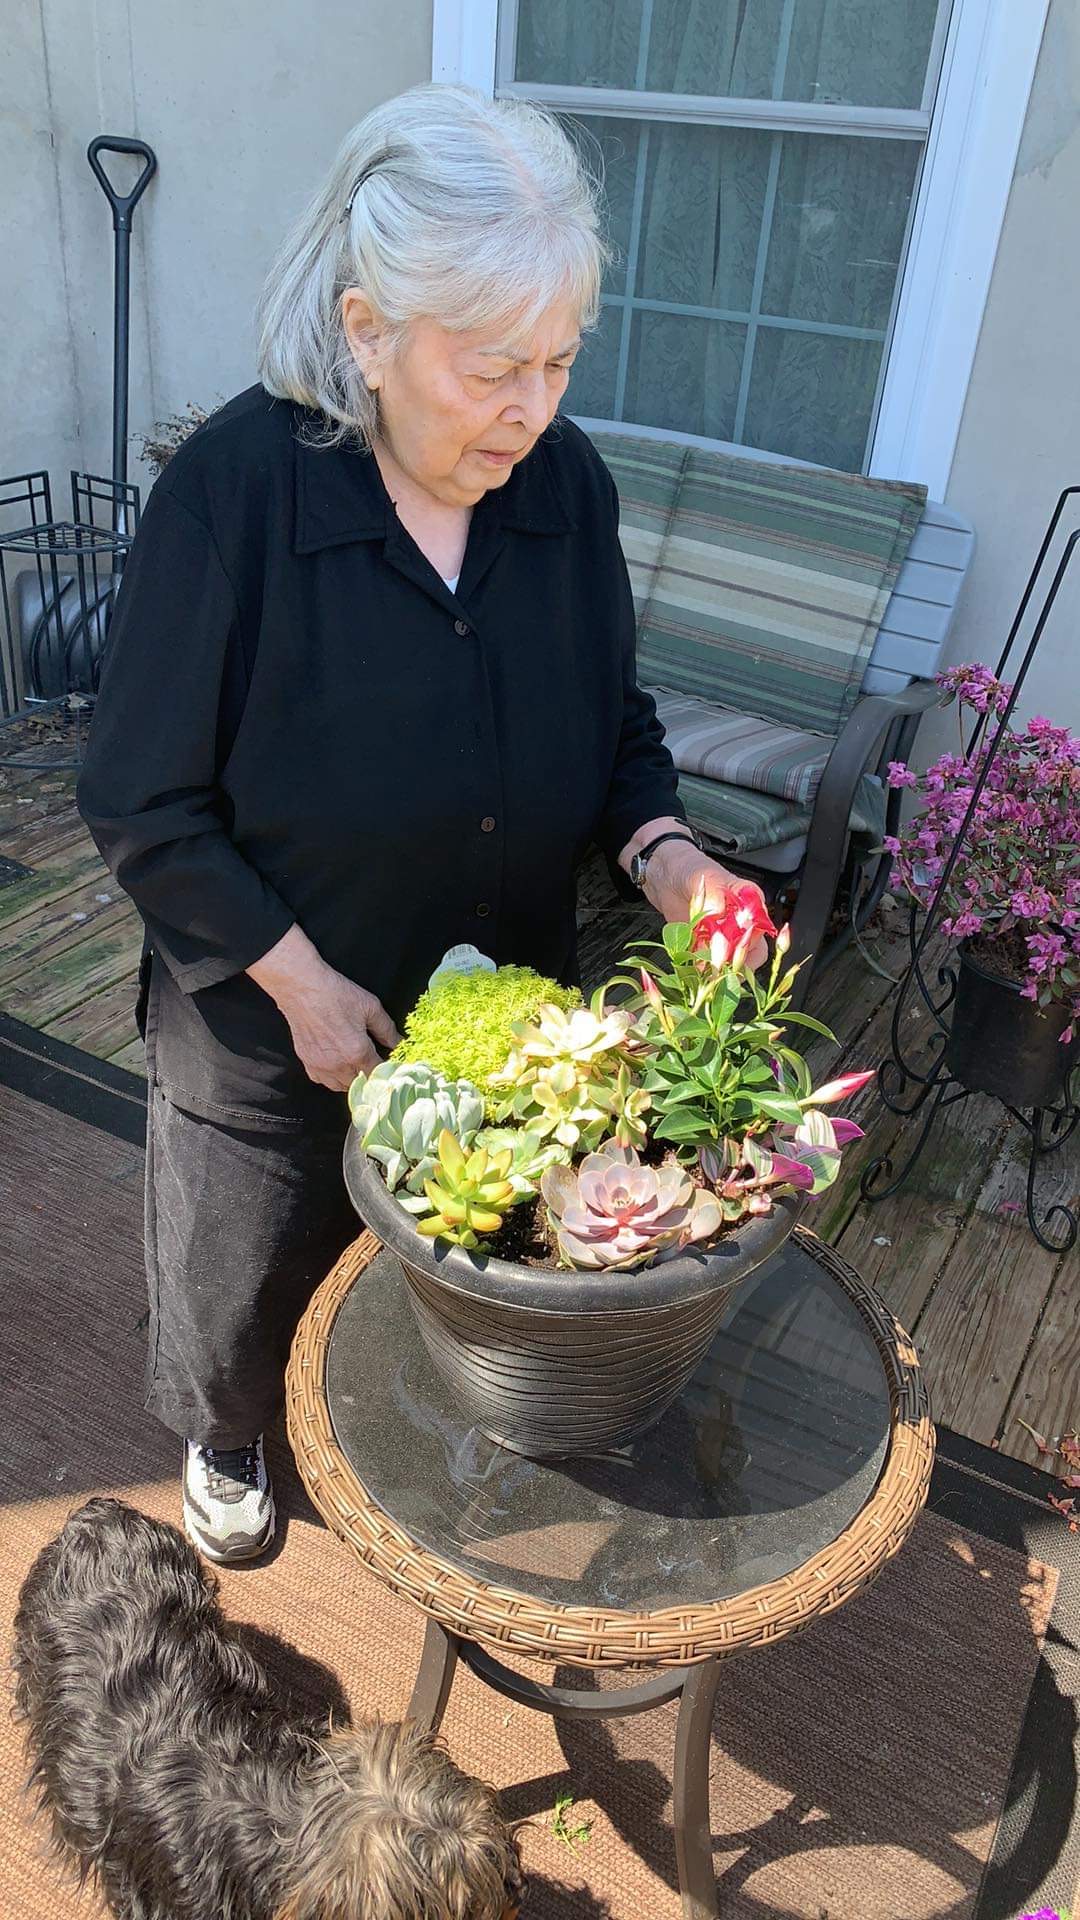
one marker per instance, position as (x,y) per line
(909,1758)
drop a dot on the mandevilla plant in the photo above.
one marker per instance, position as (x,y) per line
(726,1088)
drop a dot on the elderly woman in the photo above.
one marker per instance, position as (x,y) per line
(370,692)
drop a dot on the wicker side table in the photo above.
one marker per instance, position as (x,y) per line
(789,1471)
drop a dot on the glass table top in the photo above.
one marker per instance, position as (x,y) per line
(767,1455)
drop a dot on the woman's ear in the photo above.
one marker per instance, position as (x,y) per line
(363,334)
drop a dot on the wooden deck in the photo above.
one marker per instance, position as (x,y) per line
(996,1318)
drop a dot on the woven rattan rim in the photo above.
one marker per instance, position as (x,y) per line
(582,1636)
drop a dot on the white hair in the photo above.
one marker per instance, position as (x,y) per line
(441,204)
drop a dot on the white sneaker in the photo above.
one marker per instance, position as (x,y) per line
(228,1501)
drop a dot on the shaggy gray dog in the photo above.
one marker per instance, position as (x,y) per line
(175,1779)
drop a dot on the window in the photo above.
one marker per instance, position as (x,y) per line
(762,160)
(985,69)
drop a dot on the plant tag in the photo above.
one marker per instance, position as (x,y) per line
(465,959)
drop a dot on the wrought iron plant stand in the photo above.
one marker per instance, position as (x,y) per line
(936,1078)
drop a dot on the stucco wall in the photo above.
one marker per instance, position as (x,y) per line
(1019,441)
(244,105)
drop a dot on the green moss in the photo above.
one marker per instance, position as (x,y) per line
(461,1025)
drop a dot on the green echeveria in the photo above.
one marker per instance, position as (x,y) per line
(530,1156)
(400,1109)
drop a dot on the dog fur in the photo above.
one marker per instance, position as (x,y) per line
(176,1781)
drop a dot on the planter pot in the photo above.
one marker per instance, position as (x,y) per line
(549,1363)
(1002,1044)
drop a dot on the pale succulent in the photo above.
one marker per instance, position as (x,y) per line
(468,1194)
(399,1111)
(579,1038)
(611,1211)
(570,1078)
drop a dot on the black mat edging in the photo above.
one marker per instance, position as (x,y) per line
(1035,1858)
(72,1082)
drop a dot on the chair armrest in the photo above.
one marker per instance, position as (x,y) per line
(855,750)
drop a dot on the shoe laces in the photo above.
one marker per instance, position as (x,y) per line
(230,1467)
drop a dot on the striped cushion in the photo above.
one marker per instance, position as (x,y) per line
(720,744)
(739,821)
(759,586)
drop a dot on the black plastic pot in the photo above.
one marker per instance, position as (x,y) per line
(1002,1044)
(552,1363)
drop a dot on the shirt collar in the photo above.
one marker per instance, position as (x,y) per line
(339,494)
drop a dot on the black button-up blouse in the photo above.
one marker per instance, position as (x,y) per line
(299,721)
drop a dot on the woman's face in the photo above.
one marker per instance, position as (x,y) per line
(456,410)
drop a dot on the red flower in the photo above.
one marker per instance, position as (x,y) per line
(730,933)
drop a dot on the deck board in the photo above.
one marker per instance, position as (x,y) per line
(995,1318)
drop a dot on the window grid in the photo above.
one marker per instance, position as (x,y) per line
(587,102)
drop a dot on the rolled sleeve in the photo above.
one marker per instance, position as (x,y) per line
(644,784)
(148,789)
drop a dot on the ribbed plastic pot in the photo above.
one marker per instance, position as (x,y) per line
(1002,1044)
(552,1363)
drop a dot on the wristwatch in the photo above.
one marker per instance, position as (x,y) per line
(639,862)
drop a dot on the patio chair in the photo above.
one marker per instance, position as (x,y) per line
(790,622)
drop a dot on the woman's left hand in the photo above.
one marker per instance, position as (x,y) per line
(682,882)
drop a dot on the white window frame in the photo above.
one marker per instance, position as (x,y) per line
(987,69)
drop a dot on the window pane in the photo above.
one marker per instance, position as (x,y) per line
(611,148)
(838,228)
(812,396)
(857,52)
(590,43)
(760,229)
(701,215)
(863,55)
(592,378)
(684,373)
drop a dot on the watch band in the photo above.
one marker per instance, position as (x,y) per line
(639,861)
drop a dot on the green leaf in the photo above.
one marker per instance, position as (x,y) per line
(779,1107)
(689,1123)
(677,937)
(807,1020)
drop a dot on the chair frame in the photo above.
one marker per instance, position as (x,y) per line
(881,727)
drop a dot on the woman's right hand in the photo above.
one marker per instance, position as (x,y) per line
(336,1026)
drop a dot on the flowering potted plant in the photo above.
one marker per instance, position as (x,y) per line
(1012,900)
(573,1211)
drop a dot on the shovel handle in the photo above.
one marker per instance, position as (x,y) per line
(122,204)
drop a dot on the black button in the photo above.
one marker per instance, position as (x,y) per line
(487,824)
(461,627)
(483,910)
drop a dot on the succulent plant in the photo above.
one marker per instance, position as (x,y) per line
(399,1111)
(468,1195)
(612,1211)
(571,1079)
(578,1038)
(530,1156)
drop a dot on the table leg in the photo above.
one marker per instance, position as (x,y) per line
(693,1826)
(434,1678)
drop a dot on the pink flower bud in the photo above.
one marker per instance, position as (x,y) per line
(650,988)
(839,1089)
(783,938)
